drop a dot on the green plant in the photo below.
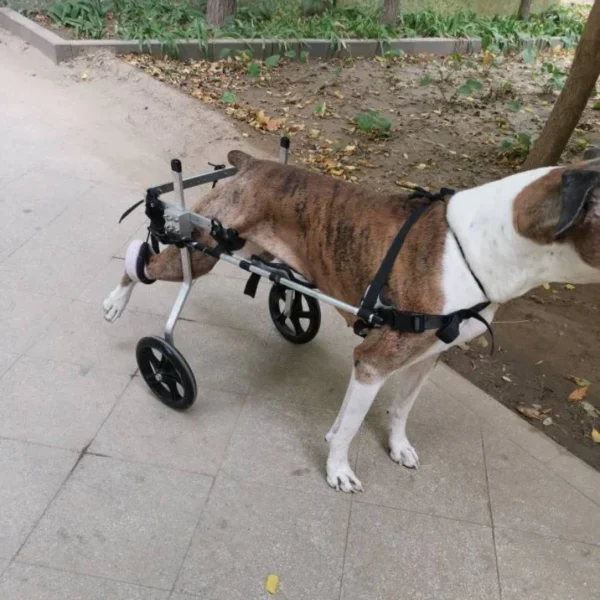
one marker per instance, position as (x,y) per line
(553,77)
(86,17)
(228,97)
(254,69)
(470,86)
(373,123)
(271,61)
(517,147)
(320,110)
(291,54)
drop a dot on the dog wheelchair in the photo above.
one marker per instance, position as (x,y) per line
(293,301)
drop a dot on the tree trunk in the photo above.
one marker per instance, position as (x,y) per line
(524,10)
(217,11)
(391,11)
(573,99)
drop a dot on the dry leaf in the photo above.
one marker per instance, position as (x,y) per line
(272,584)
(84,75)
(422,166)
(569,286)
(578,394)
(482,342)
(579,381)
(529,412)
(338,94)
(596,435)
(546,286)
(590,409)
(547,421)
(314,133)
(506,378)
(349,150)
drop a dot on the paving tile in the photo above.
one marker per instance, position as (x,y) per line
(398,554)
(3,565)
(56,270)
(580,475)
(281,444)
(120,520)
(28,582)
(451,479)
(222,358)
(25,317)
(250,531)
(30,475)
(57,404)
(93,221)
(315,374)
(527,437)
(143,429)
(539,568)
(526,495)
(7,359)
(29,203)
(83,337)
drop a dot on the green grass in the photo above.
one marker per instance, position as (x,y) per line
(169,20)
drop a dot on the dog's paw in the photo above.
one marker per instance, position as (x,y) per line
(116,302)
(404,454)
(341,478)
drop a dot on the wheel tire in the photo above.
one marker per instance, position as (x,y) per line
(166,373)
(303,324)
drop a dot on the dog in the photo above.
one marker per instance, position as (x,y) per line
(489,243)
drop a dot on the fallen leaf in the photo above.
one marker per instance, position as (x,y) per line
(506,378)
(590,409)
(261,117)
(482,342)
(569,286)
(272,584)
(314,133)
(546,286)
(547,421)
(578,394)
(349,149)
(529,412)
(596,435)
(422,166)
(539,362)
(84,75)
(338,94)
(579,381)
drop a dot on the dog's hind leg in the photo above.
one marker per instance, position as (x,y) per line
(411,381)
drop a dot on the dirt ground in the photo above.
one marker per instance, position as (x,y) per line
(448,120)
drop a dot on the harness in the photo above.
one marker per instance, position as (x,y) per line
(446,326)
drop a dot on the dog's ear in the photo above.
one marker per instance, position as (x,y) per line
(579,188)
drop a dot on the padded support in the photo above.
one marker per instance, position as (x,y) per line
(136,258)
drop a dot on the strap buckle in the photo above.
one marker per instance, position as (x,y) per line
(418,322)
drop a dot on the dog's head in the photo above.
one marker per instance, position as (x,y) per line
(563,206)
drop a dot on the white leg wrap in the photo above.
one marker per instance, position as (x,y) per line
(132,261)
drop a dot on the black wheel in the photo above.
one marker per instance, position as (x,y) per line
(166,372)
(304,320)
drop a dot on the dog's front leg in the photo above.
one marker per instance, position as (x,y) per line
(117,300)
(359,397)
(410,384)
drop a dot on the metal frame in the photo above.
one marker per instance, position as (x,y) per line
(177,229)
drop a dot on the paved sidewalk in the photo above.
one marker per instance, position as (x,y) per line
(107,494)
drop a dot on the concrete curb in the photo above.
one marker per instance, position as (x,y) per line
(58,49)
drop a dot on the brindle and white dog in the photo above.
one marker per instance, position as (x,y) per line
(516,233)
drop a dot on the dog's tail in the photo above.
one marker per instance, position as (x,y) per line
(239,159)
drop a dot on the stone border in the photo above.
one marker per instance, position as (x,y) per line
(58,49)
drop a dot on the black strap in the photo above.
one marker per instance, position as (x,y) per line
(373,293)
(462,252)
(131,209)
(252,285)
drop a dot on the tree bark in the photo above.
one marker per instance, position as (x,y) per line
(217,11)
(573,99)
(524,10)
(391,11)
